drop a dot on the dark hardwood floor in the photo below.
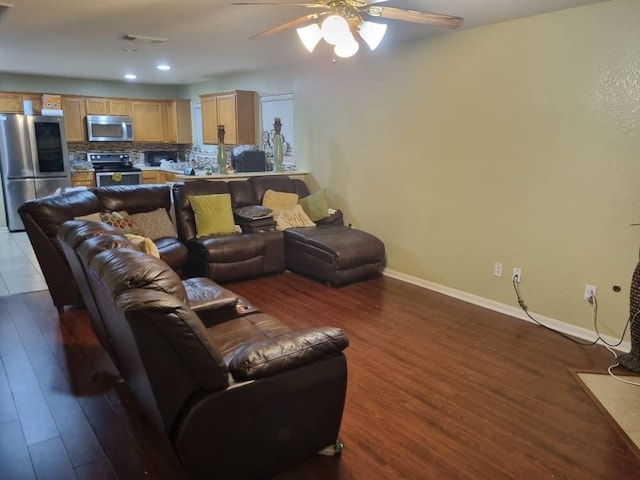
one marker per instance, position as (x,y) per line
(438,389)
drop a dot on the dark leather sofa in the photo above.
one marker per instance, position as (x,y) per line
(42,219)
(331,252)
(238,398)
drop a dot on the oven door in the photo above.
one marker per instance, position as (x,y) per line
(105,179)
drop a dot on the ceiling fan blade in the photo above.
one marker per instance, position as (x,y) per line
(308,5)
(292,24)
(415,16)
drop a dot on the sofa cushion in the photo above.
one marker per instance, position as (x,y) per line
(284,352)
(123,269)
(315,205)
(155,224)
(254,212)
(144,244)
(213,214)
(292,218)
(120,221)
(279,200)
(173,252)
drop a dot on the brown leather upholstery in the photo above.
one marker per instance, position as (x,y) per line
(330,252)
(335,254)
(242,399)
(43,217)
(224,257)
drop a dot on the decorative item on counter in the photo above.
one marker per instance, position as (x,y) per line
(278,151)
(208,170)
(222,153)
(189,171)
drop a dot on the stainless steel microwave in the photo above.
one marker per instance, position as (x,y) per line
(109,128)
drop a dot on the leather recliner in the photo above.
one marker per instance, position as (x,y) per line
(241,399)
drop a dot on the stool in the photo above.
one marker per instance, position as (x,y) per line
(335,254)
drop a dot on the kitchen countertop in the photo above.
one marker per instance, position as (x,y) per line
(200,175)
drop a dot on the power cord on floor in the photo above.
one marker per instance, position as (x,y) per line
(594,318)
(535,320)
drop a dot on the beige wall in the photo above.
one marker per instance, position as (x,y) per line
(35,83)
(516,143)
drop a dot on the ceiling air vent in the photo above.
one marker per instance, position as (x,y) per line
(4,8)
(142,38)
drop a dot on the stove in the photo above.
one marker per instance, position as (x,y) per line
(114,169)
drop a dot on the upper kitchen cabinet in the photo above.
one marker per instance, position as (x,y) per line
(36,102)
(14,102)
(108,106)
(177,114)
(148,121)
(235,110)
(74,118)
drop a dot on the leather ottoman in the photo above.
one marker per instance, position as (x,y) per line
(335,254)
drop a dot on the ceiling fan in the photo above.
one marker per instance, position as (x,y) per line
(344,17)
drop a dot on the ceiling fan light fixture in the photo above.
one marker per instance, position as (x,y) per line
(372,33)
(310,36)
(335,29)
(347,48)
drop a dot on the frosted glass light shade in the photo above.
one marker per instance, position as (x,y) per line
(347,48)
(310,36)
(335,29)
(372,33)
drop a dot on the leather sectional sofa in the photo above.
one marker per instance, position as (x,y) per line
(331,252)
(235,392)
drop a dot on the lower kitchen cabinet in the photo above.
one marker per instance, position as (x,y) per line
(153,176)
(83,179)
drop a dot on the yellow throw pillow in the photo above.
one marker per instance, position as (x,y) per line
(213,214)
(279,200)
(144,244)
(315,205)
(292,218)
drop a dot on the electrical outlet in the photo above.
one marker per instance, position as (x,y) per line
(517,275)
(497,269)
(590,292)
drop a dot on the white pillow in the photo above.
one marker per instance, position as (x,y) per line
(292,218)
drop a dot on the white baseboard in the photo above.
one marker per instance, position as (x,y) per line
(515,312)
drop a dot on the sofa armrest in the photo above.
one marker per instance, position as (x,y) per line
(285,352)
(335,218)
(250,226)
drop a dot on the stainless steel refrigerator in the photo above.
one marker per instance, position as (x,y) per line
(34,160)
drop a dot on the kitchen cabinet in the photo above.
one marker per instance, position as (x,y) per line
(235,110)
(14,102)
(74,109)
(83,179)
(108,106)
(169,177)
(152,176)
(148,121)
(177,115)
(10,103)
(36,102)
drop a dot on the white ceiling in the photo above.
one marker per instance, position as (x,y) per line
(206,38)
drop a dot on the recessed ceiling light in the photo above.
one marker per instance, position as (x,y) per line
(130,76)
(129,49)
(164,67)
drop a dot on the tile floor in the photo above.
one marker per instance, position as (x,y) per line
(19,269)
(621,400)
